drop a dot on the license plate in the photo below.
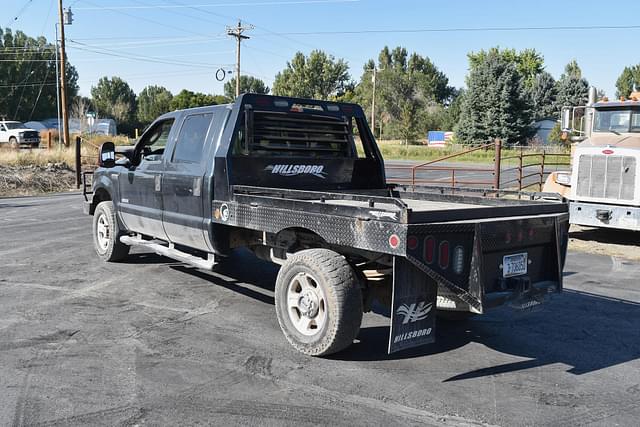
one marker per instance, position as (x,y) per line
(514,265)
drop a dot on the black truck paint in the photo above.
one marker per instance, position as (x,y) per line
(285,176)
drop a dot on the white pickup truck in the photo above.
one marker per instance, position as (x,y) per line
(16,134)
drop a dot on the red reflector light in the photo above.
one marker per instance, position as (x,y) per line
(443,258)
(507,237)
(394,241)
(412,242)
(532,233)
(263,102)
(607,151)
(429,249)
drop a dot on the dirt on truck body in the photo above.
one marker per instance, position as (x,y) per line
(285,178)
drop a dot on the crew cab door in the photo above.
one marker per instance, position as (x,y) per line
(182,183)
(141,185)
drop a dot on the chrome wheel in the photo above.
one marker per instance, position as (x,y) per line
(103,232)
(307,306)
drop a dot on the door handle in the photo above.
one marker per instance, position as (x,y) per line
(158,182)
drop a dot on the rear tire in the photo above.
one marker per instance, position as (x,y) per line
(318,302)
(13,143)
(106,234)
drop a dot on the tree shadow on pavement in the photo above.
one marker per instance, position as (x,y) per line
(585,331)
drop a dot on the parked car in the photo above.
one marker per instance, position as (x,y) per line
(16,135)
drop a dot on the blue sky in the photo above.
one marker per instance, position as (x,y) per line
(101,42)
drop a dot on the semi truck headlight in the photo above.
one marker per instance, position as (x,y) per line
(563,178)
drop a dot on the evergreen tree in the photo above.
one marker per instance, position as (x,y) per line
(542,95)
(628,81)
(495,104)
(572,88)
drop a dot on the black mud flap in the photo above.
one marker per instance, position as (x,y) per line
(413,307)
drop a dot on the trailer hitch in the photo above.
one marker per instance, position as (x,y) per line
(603,215)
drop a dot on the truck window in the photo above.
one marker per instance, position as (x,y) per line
(191,138)
(635,121)
(296,134)
(155,139)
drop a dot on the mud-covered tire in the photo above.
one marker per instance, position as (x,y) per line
(106,234)
(336,286)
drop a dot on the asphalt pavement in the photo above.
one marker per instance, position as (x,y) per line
(152,342)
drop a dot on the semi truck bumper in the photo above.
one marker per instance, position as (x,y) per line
(601,215)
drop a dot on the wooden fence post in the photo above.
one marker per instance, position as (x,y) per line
(496,170)
(78,161)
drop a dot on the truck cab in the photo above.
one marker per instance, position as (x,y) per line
(16,134)
(604,184)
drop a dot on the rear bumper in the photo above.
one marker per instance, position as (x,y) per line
(601,215)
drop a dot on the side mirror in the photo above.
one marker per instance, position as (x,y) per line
(565,122)
(107,155)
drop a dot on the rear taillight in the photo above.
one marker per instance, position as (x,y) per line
(412,242)
(429,249)
(458,260)
(443,256)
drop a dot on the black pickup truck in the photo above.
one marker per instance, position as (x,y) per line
(302,183)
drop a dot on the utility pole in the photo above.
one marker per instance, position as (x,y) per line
(63,84)
(237,32)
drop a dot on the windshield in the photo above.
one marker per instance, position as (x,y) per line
(617,121)
(15,125)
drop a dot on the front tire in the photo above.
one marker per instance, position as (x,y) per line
(318,302)
(106,234)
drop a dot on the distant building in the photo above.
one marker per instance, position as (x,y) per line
(543,129)
(99,127)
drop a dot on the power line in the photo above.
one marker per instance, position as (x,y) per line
(185,6)
(114,53)
(461,29)
(20,12)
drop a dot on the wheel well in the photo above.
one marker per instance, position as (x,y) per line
(299,238)
(100,195)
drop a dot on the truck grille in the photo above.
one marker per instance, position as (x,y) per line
(606,177)
(31,134)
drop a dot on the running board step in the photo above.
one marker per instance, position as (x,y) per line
(171,252)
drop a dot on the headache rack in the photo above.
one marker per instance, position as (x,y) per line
(298,134)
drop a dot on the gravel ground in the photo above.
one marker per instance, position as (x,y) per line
(152,342)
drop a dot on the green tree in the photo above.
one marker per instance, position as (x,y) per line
(153,101)
(628,81)
(572,88)
(405,84)
(318,76)
(528,62)
(188,99)
(495,105)
(248,84)
(113,98)
(543,94)
(28,77)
